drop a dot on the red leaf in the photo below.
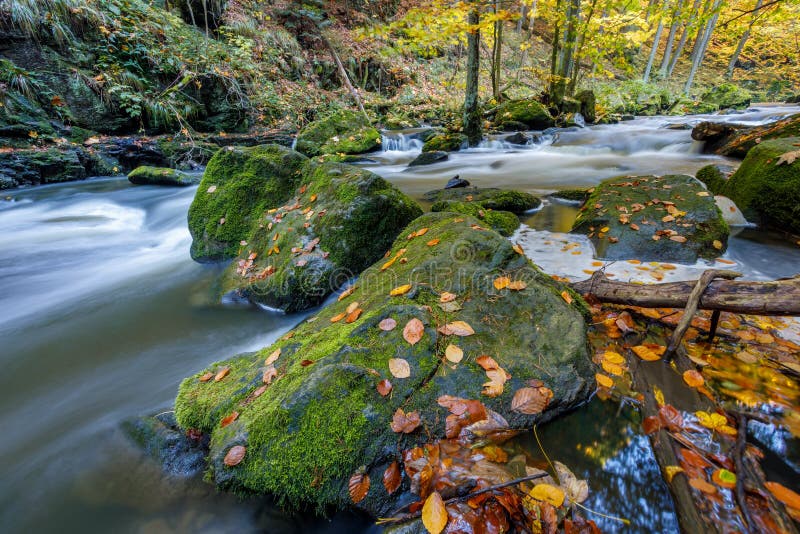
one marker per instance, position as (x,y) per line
(235,456)
(384,387)
(230,419)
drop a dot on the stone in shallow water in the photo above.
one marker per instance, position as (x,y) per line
(429,158)
(322,418)
(669,218)
(455,182)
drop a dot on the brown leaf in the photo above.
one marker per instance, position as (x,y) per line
(702,485)
(272,357)
(447,297)
(434,513)
(235,455)
(413,331)
(784,494)
(358,487)
(384,387)
(338,317)
(387,324)
(206,377)
(346,293)
(645,353)
(352,316)
(399,368)
(222,374)
(678,238)
(693,379)
(531,401)
(270,373)
(392,477)
(517,285)
(403,422)
(306,363)
(487,362)
(457,328)
(432,242)
(229,419)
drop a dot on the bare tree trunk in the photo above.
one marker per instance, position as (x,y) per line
(743,40)
(579,51)
(472,115)
(343,74)
(673,30)
(653,50)
(497,53)
(554,67)
(684,37)
(698,59)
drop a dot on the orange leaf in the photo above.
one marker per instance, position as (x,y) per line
(434,513)
(566,296)
(400,290)
(432,242)
(353,306)
(487,362)
(531,401)
(453,353)
(403,422)
(234,456)
(228,420)
(501,282)
(384,387)
(339,317)
(272,357)
(603,380)
(222,374)
(413,331)
(269,375)
(388,264)
(392,477)
(693,378)
(399,368)
(206,377)
(645,353)
(518,249)
(346,293)
(702,485)
(457,328)
(352,316)
(784,494)
(447,297)
(517,285)
(358,487)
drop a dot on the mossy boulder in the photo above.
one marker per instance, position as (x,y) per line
(669,218)
(735,141)
(487,197)
(161,176)
(342,132)
(726,96)
(429,158)
(45,166)
(160,438)
(529,112)
(714,177)
(445,142)
(321,419)
(337,222)
(239,185)
(573,195)
(502,222)
(766,191)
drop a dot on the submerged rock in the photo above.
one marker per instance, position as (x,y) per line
(670,218)
(161,176)
(531,113)
(343,132)
(445,142)
(487,197)
(161,439)
(35,166)
(309,412)
(298,228)
(429,158)
(767,188)
(455,182)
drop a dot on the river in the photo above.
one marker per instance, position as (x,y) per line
(102,313)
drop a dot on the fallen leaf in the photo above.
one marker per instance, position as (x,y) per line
(306,363)
(387,324)
(457,328)
(346,293)
(576,490)
(701,485)
(399,368)
(672,470)
(453,353)
(338,317)
(206,377)
(715,422)
(392,477)
(501,282)
(518,249)
(566,296)
(788,158)
(388,264)
(235,455)
(229,419)
(434,513)
(693,379)
(784,494)
(645,353)
(604,380)
(724,478)
(493,389)
(269,375)
(353,315)
(353,306)
(548,493)
(384,387)
(677,238)
(211,189)
(403,422)
(487,362)
(400,290)
(717,244)
(613,357)
(517,285)
(531,401)
(222,374)
(432,242)
(358,487)
(272,357)
(413,331)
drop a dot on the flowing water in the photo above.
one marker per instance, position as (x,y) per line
(102,313)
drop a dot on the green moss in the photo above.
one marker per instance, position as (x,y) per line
(491,198)
(238,187)
(447,142)
(713,178)
(577,195)
(342,132)
(145,175)
(529,112)
(727,96)
(765,191)
(503,222)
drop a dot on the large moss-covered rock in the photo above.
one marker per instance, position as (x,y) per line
(736,140)
(238,186)
(714,177)
(339,220)
(487,197)
(145,175)
(726,96)
(322,419)
(502,222)
(669,218)
(445,142)
(531,113)
(766,191)
(343,132)
(44,166)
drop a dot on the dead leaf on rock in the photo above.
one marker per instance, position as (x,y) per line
(531,401)
(387,324)
(272,357)
(399,368)
(403,422)
(384,387)
(222,374)
(413,331)
(234,456)
(392,477)
(400,290)
(358,487)
(447,297)
(501,282)
(456,328)
(453,353)
(434,513)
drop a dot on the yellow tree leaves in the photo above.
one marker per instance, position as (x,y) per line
(434,513)
(715,422)
(647,353)
(693,379)
(400,290)
(548,493)
(501,282)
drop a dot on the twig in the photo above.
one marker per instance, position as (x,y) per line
(408,517)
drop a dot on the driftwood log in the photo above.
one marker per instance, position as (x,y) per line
(779,297)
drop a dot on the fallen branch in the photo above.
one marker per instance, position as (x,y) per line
(779,297)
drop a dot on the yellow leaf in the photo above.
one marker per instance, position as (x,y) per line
(645,353)
(693,379)
(612,369)
(272,357)
(453,353)
(548,493)
(501,282)
(604,380)
(659,395)
(672,470)
(715,422)
(566,296)
(518,249)
(517,285)
(388,264)
(399,368)
(434,513)
(400,290)
(613,357)
(457,328)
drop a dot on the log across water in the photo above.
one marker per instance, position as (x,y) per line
(779,297)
